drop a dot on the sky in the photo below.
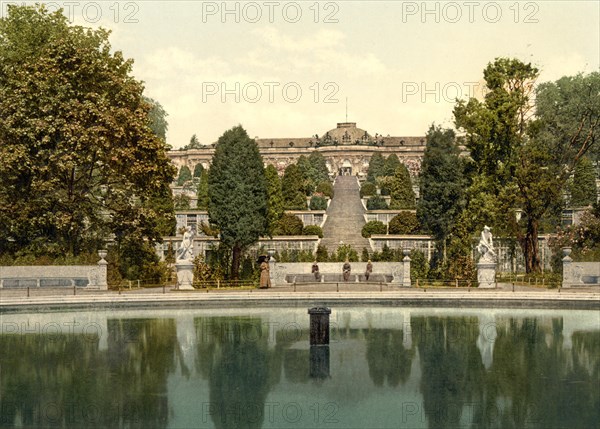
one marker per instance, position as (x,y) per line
(295,69)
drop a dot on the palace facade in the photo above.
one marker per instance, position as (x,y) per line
(347,150)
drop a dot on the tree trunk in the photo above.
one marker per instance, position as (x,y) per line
(235,262)
(529,246)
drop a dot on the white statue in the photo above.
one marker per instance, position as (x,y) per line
(186,251)
(486,246)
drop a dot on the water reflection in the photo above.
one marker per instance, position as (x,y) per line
(241,370)
(52,379)
(384,368)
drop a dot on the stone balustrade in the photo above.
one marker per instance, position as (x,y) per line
(88,276)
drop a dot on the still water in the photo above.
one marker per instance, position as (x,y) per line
(254,368)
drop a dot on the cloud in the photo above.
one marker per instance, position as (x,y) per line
(319,52)
(181,79)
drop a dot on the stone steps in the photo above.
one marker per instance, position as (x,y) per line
(345,217)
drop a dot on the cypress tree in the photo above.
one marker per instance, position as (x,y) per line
(275,197)
(376,167)
(391,165)
(202,191)
(292,189)
(198,169)
(403,196)
(237,193)
(184,175)
(442,195)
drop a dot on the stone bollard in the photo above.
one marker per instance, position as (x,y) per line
(406,268)
(102,270)
(567,262)
(272,268)
(319,326)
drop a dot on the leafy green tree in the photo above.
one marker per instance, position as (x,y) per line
(392,163)
(419,268)
(182,202)
(322,255)
(158,119)
(442,183)
(325,188)
(304,167)
(368,189)
(376,167)
(364,257)
(193,144)
(318,203)
(161,201)
(318,171)
(384,183)
(289,224)
(79,156)
(386,255)
(292,189)
(401,191)
(376,202)
(237,193)
(312,230)
(373,227)
(583,238)
(495,134)
(198,169)
(275,197)
(202,191)
(566,127)
(496,126)
(404,223)
(342,252)
(583,189)
(185,175)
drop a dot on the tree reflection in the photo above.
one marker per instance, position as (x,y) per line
(542,383)
(233,355)
(64,380)
(534,380)
(451,368)
(387,357)
(142,354)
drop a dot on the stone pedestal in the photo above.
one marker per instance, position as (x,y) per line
(102,280)
(568,272)
(401,271)
(406,269)
(486,274)
(185,275)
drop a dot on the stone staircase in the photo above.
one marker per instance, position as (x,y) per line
(345,217)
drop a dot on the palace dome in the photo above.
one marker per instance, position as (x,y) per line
(346,133)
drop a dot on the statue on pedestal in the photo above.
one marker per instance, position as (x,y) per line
(186,251)
(185,261)
(486,267)
(486,246)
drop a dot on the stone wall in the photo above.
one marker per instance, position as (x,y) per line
(579,273)
(288,272)
(88,276)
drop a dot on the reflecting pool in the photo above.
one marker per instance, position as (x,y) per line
(254,368)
